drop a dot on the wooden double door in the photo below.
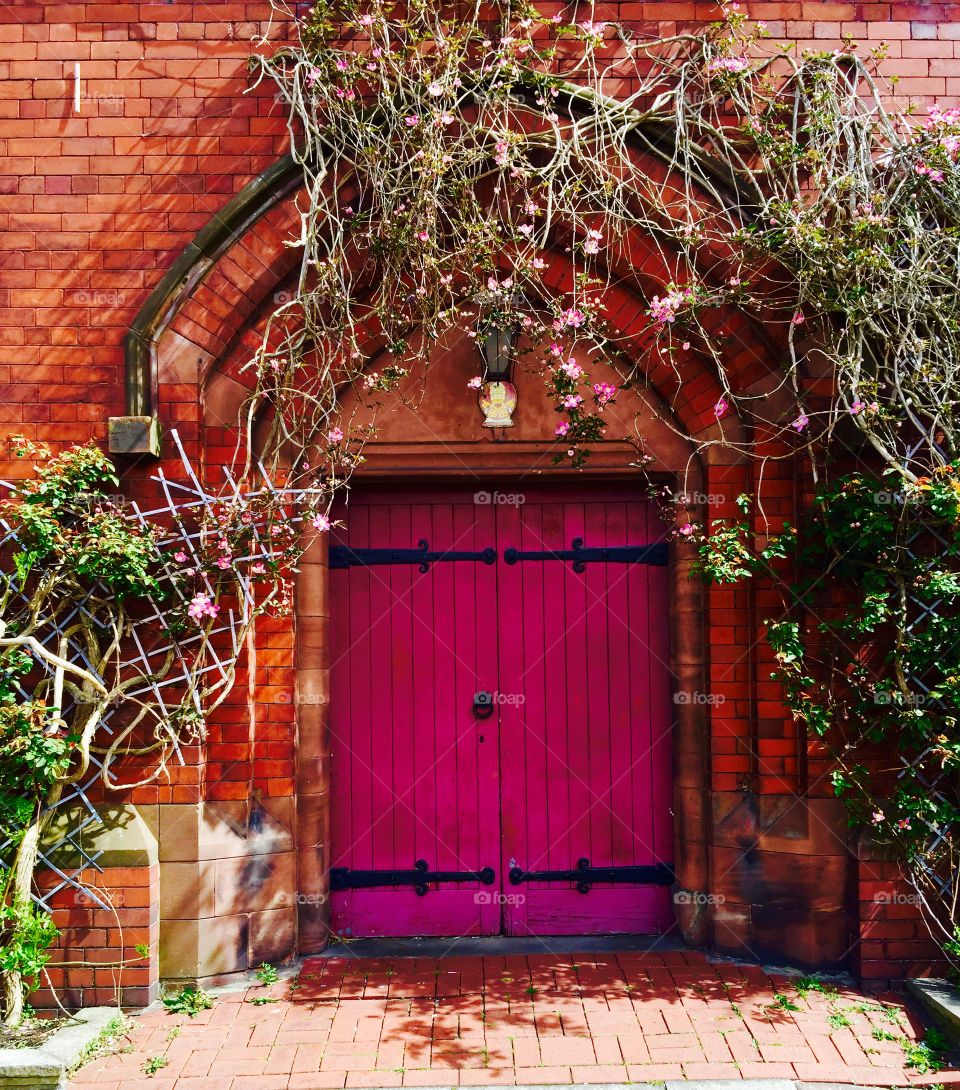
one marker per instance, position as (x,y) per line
(500,713)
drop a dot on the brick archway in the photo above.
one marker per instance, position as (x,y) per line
(774,901)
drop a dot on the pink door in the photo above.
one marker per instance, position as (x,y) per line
(415,774)
(542,808)
(585,715)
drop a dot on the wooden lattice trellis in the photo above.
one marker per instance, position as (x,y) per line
(182,507)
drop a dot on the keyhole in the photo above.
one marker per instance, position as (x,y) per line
(481,737)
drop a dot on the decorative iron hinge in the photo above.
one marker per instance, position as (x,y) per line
(660,874)
(421,877)
(657,555)
(342,556)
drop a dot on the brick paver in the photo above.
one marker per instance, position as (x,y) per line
(570,1018)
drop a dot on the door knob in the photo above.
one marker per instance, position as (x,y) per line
(483,705)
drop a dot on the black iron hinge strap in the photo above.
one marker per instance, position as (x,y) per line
(342,556)
(659,874)
(657,554)
(420,877)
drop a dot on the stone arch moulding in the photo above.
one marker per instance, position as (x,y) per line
(138,432)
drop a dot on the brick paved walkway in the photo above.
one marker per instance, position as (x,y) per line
(519,1019)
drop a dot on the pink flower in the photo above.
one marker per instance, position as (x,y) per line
(686,346)
(257,569)
(562,428)
(798,319)
(335,435)
(320,522)
(592,244)
(721,408)
(475,383)
(201,605)
(571,368)
(877,817)
(903,823)
(424,236)
(856,407)
(434,89)
(556,350)
(574,317)
(931,173)
(179,556)
(604,392)
(572,401)
(411,120)
(686,529)
(665,309)
(801,422)
(728,64)
(223,563)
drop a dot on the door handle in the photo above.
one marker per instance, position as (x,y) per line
(483,705)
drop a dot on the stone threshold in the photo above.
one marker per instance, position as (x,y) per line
(941,1000)
(501,945)
(47,1067)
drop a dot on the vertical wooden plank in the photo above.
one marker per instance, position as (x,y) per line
(486,734)
(357,735)
(618,658)
(601,581)
(531,712)
(661,711)
(396,663)
(463,583)
(575,603)
(423,796)
(556,730)
(341,764)
(376,754)
(641,736)
(451,854)
(512,821)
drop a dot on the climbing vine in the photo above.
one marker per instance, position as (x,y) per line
(448,151)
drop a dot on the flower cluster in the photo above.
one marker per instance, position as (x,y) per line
(665,309)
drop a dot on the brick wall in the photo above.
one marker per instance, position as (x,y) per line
(96,204)
(895,942)
(100,943)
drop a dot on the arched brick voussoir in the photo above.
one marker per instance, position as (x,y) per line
(237,287)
